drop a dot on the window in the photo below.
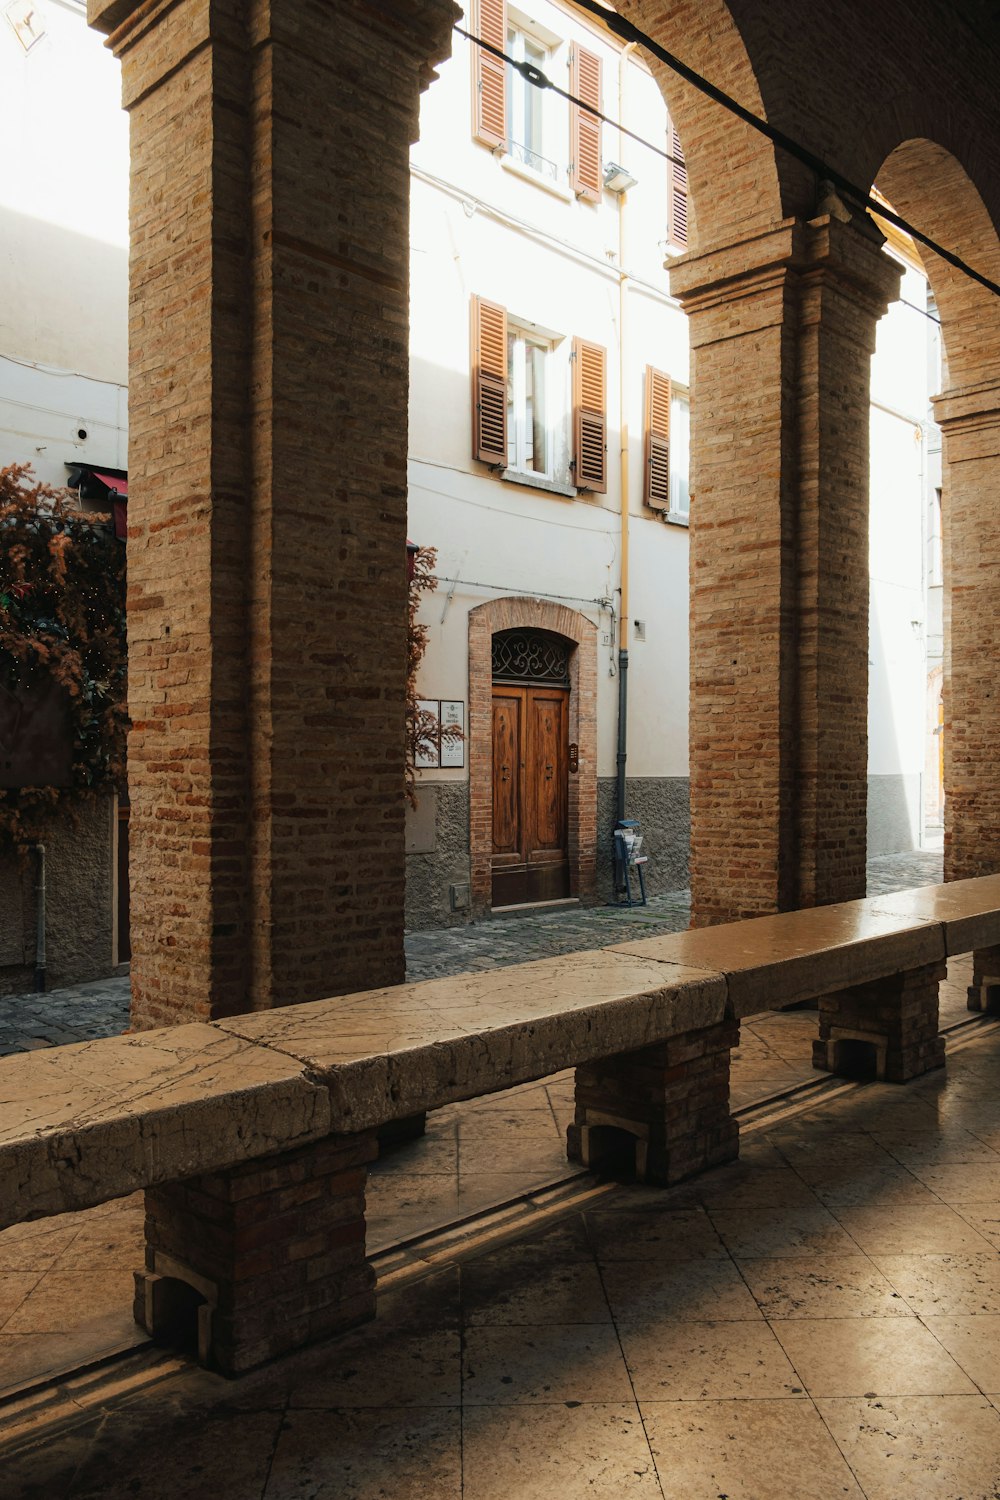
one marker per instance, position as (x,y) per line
(527,115)
(528,441)
(521,419)
(680,454)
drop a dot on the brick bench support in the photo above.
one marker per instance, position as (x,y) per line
(895,1020)
(671,1099)
(984,991)
(260,1259)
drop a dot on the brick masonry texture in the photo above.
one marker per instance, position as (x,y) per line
(673,1099)
(280,1242)
(267,589)
(268,433)
(898,1016)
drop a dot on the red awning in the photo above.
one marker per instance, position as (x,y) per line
(121,485)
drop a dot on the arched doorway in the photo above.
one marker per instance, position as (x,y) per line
(532,753)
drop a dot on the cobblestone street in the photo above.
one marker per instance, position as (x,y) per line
(80,1012)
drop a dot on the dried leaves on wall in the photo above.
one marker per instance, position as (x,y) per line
(62,621)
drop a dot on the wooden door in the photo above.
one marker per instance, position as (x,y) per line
(530,794)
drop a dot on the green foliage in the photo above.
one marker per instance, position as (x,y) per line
(62,615)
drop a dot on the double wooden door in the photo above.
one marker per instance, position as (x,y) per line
(530,794)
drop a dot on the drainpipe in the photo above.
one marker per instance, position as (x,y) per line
(623,622)
(40,922)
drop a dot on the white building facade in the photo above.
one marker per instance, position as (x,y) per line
(542,331)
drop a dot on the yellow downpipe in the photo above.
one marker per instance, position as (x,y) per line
(623,623)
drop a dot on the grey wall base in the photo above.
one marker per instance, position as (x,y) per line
(437,856)
(662,805)
(893,814)
(80,852)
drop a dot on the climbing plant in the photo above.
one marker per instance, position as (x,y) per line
(62,619)
(421,726)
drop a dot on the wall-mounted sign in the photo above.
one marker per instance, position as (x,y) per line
(448,752)
(453,745)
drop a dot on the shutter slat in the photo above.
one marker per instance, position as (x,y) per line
(677,191)
(489,76)
(489,382)
(590,439)
(585,128)
(656,486)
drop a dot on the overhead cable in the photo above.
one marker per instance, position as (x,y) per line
(823,171)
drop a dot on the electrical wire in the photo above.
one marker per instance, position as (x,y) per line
(628,32)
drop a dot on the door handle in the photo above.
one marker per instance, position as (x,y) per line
(548,772)
(505,773)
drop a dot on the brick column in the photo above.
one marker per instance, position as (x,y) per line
(251,1263)
(887,1029)
(268,433)
(782,332)
(661,1113)
(970,428)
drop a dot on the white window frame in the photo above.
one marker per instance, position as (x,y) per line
(546,160)
(680,456)
(519,336)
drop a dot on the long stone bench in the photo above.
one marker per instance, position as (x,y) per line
(252,1135)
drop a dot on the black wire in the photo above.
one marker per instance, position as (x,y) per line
(630,33)
(541,80)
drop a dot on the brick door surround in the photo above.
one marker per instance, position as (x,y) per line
(485,621)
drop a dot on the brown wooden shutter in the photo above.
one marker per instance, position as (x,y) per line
(489,382)
(677,191)
(590,439)
(656,485)
(489,75)
(585,129)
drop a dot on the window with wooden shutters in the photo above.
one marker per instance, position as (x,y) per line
(489,74)
(585,128)
(590,442)
(677,191)
(656,487)
(489,382)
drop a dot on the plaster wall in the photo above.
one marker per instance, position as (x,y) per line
(63,248)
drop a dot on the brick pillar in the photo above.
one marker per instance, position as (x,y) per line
(887,1029)
(661,1113)
(268,434)
(970,428)
(782,332)
(264,1258)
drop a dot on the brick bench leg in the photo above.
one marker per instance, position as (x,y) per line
(659,1114)
(260,1259)
(984,991)
(887,1029)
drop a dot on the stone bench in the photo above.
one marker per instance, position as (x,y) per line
(252,1135)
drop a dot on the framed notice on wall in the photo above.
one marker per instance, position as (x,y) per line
(452,747)
(448,750)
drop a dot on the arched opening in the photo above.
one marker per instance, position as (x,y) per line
(929,186)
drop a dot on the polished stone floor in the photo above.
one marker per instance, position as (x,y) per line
(819,1320)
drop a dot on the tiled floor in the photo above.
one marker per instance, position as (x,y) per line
(819,1320)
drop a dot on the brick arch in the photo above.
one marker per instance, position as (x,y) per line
(533,614)
(931,188)
(718,147)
